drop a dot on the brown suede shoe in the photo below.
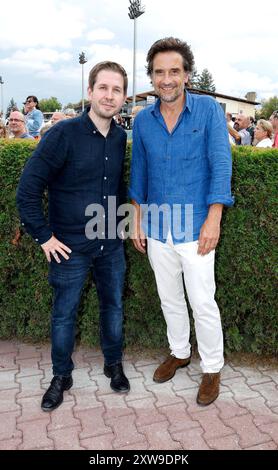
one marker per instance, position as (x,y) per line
(209,389)
(168,368)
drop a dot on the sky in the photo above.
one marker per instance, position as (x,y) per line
(40,42)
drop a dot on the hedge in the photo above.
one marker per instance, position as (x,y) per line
(246,266)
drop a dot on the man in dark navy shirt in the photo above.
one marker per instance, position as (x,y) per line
(80,161)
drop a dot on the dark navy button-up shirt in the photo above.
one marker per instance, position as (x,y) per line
(79,166)
(190,167)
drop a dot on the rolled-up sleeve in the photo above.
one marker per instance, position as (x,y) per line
(220,158)
(138,189)
(39,171)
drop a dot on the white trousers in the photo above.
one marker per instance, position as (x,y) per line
(171,263)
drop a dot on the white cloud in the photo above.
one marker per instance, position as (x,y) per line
(30,23)
(100,34)
(35,59)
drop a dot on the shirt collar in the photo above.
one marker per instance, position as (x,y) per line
(187,104)
(90,124)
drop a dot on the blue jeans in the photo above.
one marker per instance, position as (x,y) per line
(67,279)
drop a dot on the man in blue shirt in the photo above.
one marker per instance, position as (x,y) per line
(180,180)
(81,162)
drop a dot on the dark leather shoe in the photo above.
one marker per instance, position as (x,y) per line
(209,389)
(119,382)
(53,397)
(168,368)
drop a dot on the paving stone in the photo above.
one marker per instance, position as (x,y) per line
(66,438)
(194,367)
(92,422)
(145,362)
(63,417)
(249,434)
(269,391)
(191,439)
(28,367)
(30,386)
(240,389)
(272,374)
(115,405)
(212,424)
(7,362)
(35,435)
(85,398)
(80,362)
(81,378)
(103,385)
(159,438)
(10,444)
(189,396)
(7,347)
(138,390)
(7,380)
(8,400)
(225,443)
(266,446)
(125,431)
(272,430)
(26,351)
(136,446)
(178,418)
(146,411)
(253,375)
(31,409)
(228,407)
(229,373)
(8,429)
(164,394)
(45,353)
(183,380)
(96,365)
(103,442)
(148,372)
(130,371)
(262,413)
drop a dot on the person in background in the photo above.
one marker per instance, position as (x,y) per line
(274,121)
(57,116)
(242,136)
(3,131)
(33,116)
(69,113)
(17,126)
(181,157)
(263,133)
(229,120)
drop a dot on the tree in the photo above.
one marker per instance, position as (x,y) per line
(268,106)
(194,79)
(205,81)
(12,106)
(50,105)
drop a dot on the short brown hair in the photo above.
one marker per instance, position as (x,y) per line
(171,44)
(107,65)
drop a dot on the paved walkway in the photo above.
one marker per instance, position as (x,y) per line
(152,416)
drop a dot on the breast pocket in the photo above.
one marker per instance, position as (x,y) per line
(194,143)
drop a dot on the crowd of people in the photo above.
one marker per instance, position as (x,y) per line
(244,130)
(30,124)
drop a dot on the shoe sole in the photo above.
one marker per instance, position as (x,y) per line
(57,406)
(114,389)
(161,381)
(206,404)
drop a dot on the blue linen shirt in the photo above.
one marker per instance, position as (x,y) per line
(191,167)
(79,167)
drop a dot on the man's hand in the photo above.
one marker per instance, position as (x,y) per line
(138,236)
(210,231)
(53,247)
